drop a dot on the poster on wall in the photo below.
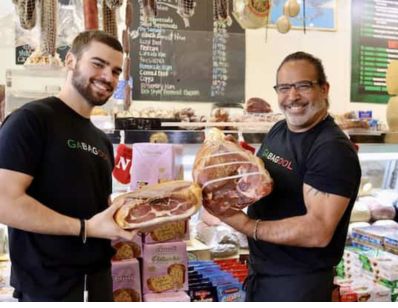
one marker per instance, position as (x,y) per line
(195,59)
(319,14)
(374,44)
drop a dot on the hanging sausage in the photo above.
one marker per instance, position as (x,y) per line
(109,22)
(90,14)
(127,102)
(46,53)
(48,26)
(186,10)
(114,4)
(26,10)
(221,13)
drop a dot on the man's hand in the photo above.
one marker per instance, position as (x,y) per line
(103,225)
(238,220)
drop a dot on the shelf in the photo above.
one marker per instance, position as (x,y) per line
(198,136)
(36,73)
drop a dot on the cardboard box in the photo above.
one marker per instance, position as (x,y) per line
(198,251)
(127,249)
(169,232)
(126,281)
(167,297)
(165,267)
(155,163)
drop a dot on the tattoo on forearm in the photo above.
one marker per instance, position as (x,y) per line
(316,192)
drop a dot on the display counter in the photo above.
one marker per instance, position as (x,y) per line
(198,136)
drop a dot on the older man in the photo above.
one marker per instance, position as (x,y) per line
(297,233)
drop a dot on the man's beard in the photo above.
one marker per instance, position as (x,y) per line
(83,86)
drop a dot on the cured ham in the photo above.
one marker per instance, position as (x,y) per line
(156,204)
(230,177)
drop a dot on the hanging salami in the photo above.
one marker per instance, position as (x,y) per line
(90,14)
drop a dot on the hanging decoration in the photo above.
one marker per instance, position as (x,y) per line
(283,24)
(251,14)
(291,8)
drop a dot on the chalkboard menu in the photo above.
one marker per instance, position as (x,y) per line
(173,62)
(374,45)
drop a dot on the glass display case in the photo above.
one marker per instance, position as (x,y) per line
(25,85)
(379,160)
(379,163)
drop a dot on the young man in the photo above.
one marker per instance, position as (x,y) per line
(297,233)
(55,182)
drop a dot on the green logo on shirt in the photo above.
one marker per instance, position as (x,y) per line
(276,159)
(80,145)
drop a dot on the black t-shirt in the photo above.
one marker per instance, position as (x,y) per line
(71,163)
(323,158)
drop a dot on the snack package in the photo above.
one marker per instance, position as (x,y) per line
(155,163)
(168,232)
(165,267)
(126,281)
(127,249)
(167,297)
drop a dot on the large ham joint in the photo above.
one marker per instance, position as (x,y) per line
(230,177)
(156,204)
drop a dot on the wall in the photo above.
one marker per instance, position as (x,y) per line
(263,57)
(333,48)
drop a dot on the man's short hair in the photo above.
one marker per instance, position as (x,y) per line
(317,63)
(83,40)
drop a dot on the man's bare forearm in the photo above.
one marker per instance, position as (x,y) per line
(313,229)
(295,231)
(28,214)
(299,231)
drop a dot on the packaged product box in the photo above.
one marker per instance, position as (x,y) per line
(203,293)
(391,240)
(126,281)
(362,289)
(165,267)
(172,231)
(198,251)
(155,163)
(180,296)
(229,291)
(127,249)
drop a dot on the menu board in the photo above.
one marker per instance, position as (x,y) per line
(187,60)
(374,45)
